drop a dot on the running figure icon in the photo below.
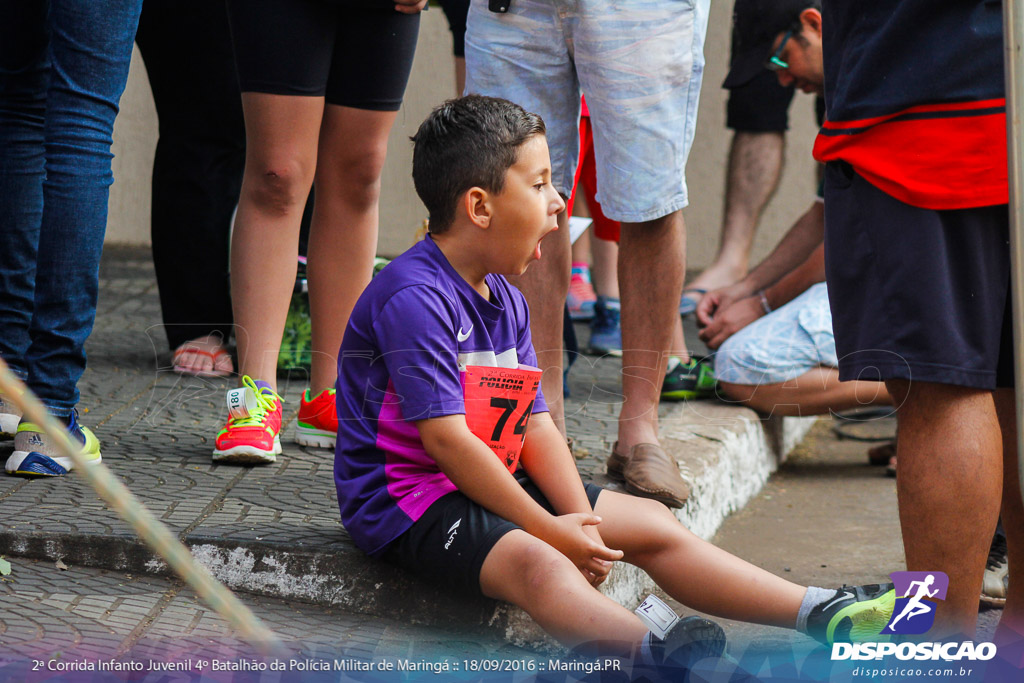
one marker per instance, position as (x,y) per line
(914,606)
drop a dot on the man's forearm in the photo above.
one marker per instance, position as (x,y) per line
(794,249)
(798,281)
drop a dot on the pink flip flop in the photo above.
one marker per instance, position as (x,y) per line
(181,370)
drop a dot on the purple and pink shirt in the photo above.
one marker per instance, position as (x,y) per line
(410,337)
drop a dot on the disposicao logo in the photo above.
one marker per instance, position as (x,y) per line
(914,612)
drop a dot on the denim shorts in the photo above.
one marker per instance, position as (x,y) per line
(786,343)
(640,64)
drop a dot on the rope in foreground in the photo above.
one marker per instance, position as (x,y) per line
(151,530)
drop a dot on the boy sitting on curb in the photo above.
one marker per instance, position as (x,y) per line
(433,382)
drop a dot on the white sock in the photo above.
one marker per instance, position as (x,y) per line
(812,598)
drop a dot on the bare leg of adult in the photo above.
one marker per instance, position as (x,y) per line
(1011,625)
(604,271)
(545,285)
(281,136)
(460,75)
(678,346)
(343,234)
(815,392)
(581,247)
(755,164)
(651,268)
(949,487)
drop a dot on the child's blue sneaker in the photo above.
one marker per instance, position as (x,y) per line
(35,455)
(605,330)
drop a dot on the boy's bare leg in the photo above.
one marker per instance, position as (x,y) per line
(691,570)
(815,392)
(651,268)
(950,452)
(343,234)
(281,138)
(1011,625)
(545,285)
(755,164)
(528,572)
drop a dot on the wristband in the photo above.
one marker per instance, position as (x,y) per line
(764,302)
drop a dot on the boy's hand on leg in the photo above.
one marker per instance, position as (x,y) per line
(570,536)
(597,570)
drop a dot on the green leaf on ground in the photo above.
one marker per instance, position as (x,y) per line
(5,567)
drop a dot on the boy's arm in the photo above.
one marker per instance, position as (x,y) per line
(547,460)
(478,473)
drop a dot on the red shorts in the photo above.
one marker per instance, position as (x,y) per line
(586,175)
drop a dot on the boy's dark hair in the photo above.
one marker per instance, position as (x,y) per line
(467,142)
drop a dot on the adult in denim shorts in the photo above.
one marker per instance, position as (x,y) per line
(640,63)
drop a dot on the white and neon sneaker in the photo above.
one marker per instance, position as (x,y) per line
(317,424)
(35,455)
(252,434)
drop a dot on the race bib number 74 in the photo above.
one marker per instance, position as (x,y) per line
(499,402)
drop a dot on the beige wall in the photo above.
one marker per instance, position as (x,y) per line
(433,81)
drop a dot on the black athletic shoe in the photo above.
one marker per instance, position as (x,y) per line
(853,614)
(689,641)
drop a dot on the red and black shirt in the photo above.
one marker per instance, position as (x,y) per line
(914,95)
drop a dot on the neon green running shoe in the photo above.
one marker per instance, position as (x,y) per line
(853,614)
(688,381)
(35,455)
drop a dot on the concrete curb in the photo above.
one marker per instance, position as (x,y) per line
(725,453)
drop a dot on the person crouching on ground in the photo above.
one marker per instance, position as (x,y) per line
(435,380)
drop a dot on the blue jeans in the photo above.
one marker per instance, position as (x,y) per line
(63,67)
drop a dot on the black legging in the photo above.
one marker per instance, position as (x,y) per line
(197,172)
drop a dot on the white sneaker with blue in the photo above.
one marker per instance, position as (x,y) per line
(35,455)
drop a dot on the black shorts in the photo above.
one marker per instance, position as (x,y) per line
(457,11)
(353,54)
(759,106)
(915,293)
(449,543)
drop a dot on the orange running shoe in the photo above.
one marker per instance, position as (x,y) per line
(318,420)
(253,431)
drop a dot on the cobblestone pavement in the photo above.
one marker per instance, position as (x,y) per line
(53,615)
(157,431)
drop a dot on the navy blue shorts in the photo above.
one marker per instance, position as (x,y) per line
(915,293)
(447,546)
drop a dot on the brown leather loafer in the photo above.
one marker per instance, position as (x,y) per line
(649,472)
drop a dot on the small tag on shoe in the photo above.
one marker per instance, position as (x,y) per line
(241,403)
(657,616)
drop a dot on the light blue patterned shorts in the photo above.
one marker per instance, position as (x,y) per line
(786,343)
(640,64)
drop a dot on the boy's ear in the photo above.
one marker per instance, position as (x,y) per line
(478,207)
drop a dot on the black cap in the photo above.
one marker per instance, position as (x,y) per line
(755,25)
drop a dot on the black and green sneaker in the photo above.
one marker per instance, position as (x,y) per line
(688,381)
(853,614)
